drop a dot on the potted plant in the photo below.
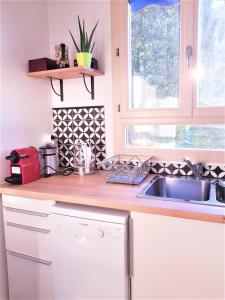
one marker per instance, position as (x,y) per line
(84,53)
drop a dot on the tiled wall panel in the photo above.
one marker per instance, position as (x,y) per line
(181,169)
(87,124)
(74,124)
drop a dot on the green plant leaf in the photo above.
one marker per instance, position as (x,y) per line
(81,35)
(91,36)
(78,50)
(83,42)
(86,45)
(92,47)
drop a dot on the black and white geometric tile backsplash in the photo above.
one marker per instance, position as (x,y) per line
(181,169)
(87,124)
(74,124)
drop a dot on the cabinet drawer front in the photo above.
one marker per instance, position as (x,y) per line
(27,240)
(29,278)
(28,204)
(26,217)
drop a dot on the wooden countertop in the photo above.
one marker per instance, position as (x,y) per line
(93,190)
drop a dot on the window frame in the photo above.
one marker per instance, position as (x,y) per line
(187,113)
(201,111)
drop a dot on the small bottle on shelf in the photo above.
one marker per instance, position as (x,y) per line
(62,60)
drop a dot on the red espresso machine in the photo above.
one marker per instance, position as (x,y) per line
(24,165)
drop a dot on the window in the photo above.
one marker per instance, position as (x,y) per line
(169,78)
(211,53)
(155,56)
(176,136)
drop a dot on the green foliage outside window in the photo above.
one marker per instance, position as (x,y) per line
(155,47)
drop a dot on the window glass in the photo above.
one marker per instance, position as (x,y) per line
(211,53)
(175,136)
(155,56)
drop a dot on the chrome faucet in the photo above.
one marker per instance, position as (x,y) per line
(197,169)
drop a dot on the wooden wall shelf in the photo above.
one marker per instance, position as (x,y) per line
(68,73)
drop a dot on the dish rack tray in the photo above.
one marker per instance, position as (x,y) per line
(125,169)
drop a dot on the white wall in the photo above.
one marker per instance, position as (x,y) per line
(25,102)
(62,18)
(28,30)
(3,274)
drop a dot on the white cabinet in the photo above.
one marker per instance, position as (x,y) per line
(173,258)
(29,277)
(28,240)
(29,258)
(176,258)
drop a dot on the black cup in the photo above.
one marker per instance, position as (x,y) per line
(220,191)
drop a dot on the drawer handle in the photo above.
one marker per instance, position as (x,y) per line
(31,258)
(28,227)
(28,212)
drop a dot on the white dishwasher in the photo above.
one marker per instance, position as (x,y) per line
(90,253)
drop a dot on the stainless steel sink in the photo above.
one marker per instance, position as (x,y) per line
(200,191)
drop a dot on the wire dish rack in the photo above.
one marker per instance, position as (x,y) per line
(125,169)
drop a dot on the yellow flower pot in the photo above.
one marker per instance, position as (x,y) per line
(84,59)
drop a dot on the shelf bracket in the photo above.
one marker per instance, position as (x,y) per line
(61,88)
(92,91)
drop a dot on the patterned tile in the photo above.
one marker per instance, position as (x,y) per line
(100,113)
(214,171)
(64,131)
(66,156)
(99,152)
(162,168)
(62,114)
(86,137)
(181,169)
(84,113)
(75,124)
(99,131)
(221,173)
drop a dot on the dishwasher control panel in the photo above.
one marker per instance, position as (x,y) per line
(72,226)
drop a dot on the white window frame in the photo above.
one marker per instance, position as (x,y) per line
(187,113)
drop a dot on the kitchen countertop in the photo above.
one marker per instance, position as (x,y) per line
(93,190)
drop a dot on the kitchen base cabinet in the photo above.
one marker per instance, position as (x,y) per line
(176,258)
(28,240)
(29,278)
(29,257)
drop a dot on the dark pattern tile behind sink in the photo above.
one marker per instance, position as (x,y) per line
(181,169)
(73,124)
(213,170)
